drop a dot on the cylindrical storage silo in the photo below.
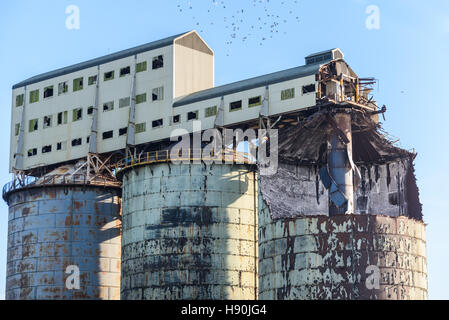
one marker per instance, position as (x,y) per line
(64,240)
(189,232)
(342,257)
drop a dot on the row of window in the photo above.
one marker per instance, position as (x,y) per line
(78,83)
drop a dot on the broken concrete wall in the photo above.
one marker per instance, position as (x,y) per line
(189,232)
(327,257)
(296,190)
(53,227)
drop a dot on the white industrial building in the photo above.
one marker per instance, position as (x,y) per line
(172,84)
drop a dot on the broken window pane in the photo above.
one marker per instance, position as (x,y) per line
(76,142)
(142,66)
(92,80)
(108,106)
(108,135)
(177,118)
(124,102)
(32,152)
(17,129)
(288,94)
(140,98)
(109,75)
(77,114)
(193,115)
(158,62)
(48,92)
(125,71)
(309,88)
(77,84)
(236,105)
(33,125)
(34,96)
(158,123)
(158,94)
(61,146)
(19,100)
(47,121)
(62,117)
(90,110)
(63,87)
(122,131)
(211,111)
(253,102)
(46,149)
(141,127)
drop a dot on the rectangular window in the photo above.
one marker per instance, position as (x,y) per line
(235,106)
(288,94)
(141,98)
(46,149)
(61,146)
(158,62)
(33,125)
(108,106)
(253,102)
(142,66)
(193,115)
(158,94)
(62,117)
(47,121)
(76,142)
(63,87)
(90,110)
(176,119)
(77,114)
(17,129)
(124,102)
(48,92)
(19,100)
(78,84)
(125,71)
(109,75)
(210,112)
(308,89)
(158,123)
(32,152)
(34,96)
(141,127)
(92,80)
(108,135)
(122,131)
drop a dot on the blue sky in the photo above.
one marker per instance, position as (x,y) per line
(408,54)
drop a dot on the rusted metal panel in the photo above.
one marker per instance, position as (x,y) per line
(53,227)
(324,257)
(189,232)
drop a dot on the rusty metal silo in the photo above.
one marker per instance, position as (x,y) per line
(58,225)
(189,231)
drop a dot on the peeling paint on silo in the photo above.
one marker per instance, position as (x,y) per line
(189,232)
(53,227)
(320,257)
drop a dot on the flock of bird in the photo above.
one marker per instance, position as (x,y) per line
(256,20)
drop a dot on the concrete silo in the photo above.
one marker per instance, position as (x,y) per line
(189,232)
(59,225)
(318,242)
